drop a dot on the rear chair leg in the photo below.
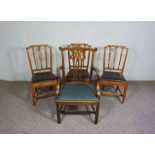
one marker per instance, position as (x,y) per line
(117,88)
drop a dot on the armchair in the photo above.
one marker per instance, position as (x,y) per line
(76,89)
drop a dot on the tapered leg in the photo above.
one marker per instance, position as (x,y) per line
(33,95)
(97,112)
(58,113)
(124,93)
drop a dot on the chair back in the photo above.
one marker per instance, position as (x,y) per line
(80,58)
(115,58)
(40,58)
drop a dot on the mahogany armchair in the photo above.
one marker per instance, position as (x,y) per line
(76,89)
(113,65)
(43,80)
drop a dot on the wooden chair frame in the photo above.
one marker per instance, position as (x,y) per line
(113,67)
(60,104)
(47,67)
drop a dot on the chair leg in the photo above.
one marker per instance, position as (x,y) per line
(117,88)
(124,93)
(58,113)
(102,87)
(33,95)
(97,112)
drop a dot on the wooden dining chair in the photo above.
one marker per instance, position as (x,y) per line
(43,80)
(76,90)
(80,62)
(113,66)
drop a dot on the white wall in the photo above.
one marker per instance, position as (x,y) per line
(139,37)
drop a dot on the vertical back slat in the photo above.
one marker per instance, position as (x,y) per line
(46,56)
(109,56)
(124,60)
(51,59)
(120,58)
(40,57)
(114,57)
(29,60)
(34,57)
(104,59)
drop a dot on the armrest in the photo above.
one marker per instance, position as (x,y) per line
(97,72)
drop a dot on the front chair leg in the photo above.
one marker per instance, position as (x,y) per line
(58,113)
(33,95)
(97,112)
(124,93)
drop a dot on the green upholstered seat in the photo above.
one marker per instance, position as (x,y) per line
(77,92)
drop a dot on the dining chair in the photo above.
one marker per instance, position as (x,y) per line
(44,82)
(114,61)
(76,90)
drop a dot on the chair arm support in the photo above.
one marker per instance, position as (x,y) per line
(59,80)
(97,72)
(98,93)
(58,71)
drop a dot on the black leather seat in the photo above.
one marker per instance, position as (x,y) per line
(113,76)
(43,76)
(85,74)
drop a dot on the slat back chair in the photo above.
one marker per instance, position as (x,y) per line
(80,59)
(114,60)
(40,61)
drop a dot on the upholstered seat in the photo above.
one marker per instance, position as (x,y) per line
(84,74)
(77,92)
(43,76)
(113,76)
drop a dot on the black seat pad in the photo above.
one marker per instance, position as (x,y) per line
(43,77)
(113,76)
(85,74)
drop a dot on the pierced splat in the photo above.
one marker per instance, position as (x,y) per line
(77,59)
